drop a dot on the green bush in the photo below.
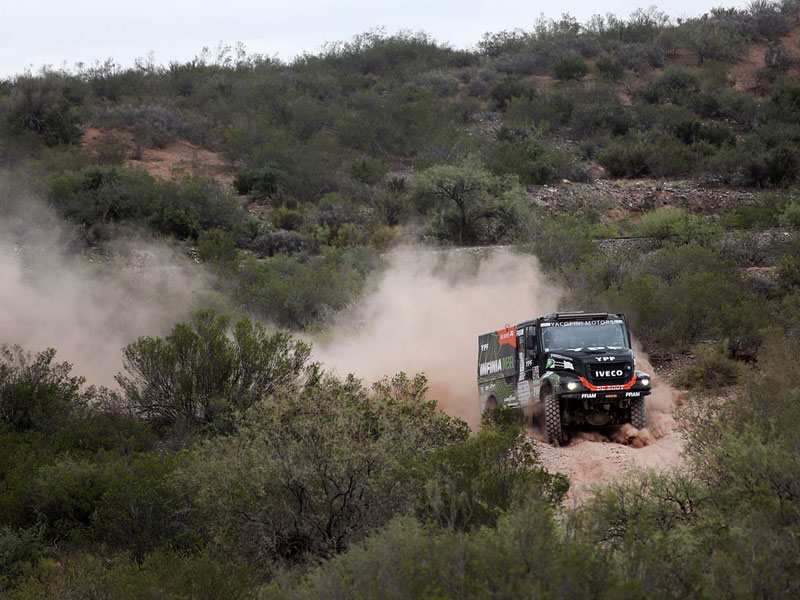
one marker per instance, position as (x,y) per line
(302,292)
(163,574)
(711,369)
(677,224)
(313,468)
(262,181)
(19,552)
(204,370)
(48,105)
(466,203)
(36,393)
(570,67)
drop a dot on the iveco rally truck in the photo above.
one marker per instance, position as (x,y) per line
(575,367)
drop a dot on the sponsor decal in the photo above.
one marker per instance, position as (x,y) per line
(580,323)
(508,336)
(609,373)
(632,394)
(605,358)
(484,347)
(588,395)
(496,366)
(608,388)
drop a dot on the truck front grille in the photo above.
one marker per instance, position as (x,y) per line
(611,373)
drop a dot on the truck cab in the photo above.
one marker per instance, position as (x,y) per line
(578,367)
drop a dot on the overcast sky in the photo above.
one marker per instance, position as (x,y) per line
(64,32)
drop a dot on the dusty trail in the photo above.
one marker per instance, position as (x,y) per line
(592,458)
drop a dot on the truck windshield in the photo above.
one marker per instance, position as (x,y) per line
(584,334)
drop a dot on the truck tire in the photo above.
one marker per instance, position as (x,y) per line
(638,413)
(552,418)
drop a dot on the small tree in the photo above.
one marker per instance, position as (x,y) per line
(202,371)
(462,198)
(34,392)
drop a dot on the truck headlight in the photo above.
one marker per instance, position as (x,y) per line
(645,381)
(572,386)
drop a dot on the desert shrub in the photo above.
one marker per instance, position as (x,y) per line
(442,82)
(510,87)
(261,181)
(784,103)
(274,242)
(140,509)
(48,105)
(761,215)
(656,153)
(690,132)
(711,369)
(300,291)
(20,550)
(790,216)
(529,156)
(471,484)
(569,67)
(163,574)
(179,207)
(466,203)
(216,245)
(677,294)
(714,39)
(153,125)
(368,170)
(676,224)
(559,242)
(778,57)
(779,166)
(639,57)
(204,370)
(609,67)
(35,392)
(674,85)
(310,470)
(453,564)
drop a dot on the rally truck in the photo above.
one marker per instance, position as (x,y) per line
(569,368)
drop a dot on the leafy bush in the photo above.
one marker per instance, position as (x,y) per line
(529,156)
(677,224)
(311,469)
(48,105)
(711,369)
(19,550)
(300,291)
(467,203)
(180,207)
(36,393)
(262,181)
(570,67)
(202,372)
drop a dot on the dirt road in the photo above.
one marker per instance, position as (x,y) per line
(591,458)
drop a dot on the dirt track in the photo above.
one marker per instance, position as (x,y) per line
(591,458)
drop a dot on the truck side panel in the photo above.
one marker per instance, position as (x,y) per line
(497,367)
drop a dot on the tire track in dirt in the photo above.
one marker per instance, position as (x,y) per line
(591,457)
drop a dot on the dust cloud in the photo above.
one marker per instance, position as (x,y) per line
(425,314)
(86,308)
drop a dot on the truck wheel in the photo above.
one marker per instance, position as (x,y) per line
(552,418)
(638,413)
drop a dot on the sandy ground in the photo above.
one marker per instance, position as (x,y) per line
(592,457)
(589,463)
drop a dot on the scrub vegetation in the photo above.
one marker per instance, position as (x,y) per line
(226,463)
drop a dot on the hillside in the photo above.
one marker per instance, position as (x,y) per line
(279,271)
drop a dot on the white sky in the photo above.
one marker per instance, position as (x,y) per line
(62,33)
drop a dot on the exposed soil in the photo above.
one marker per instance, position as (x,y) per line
(177,157)
(593,457)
